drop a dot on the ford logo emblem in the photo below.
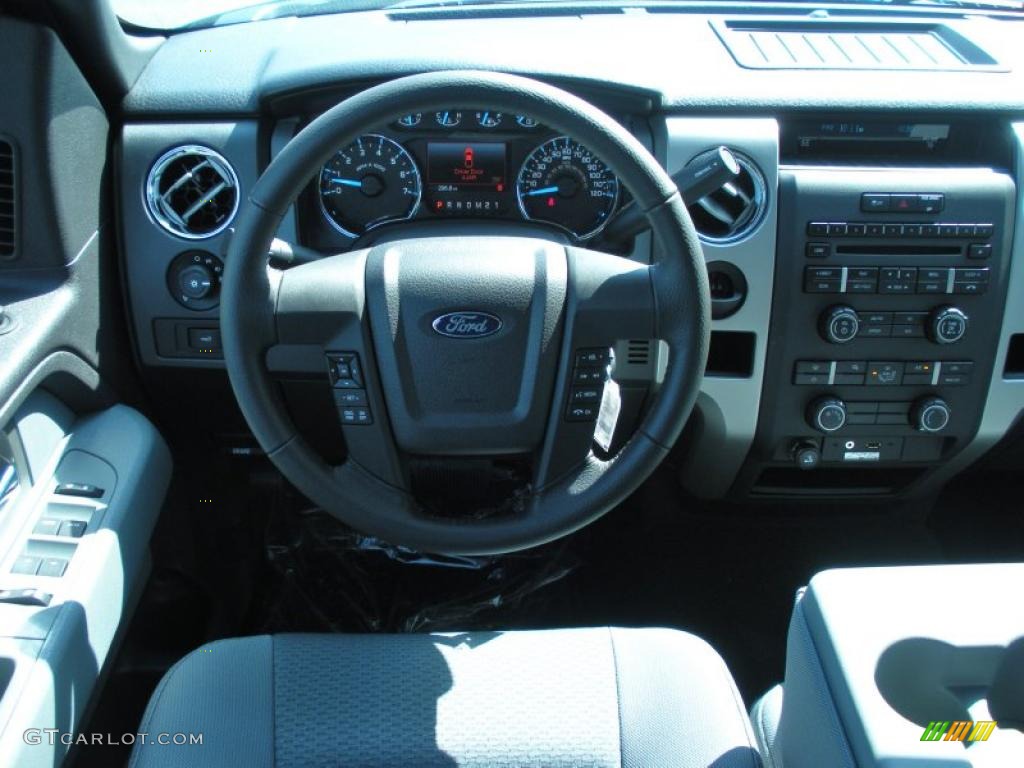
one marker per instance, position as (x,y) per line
(466,325)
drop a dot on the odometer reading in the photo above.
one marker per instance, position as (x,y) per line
(564,183)
(368,183)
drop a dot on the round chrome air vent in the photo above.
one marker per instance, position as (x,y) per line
(192,192)
(735,209)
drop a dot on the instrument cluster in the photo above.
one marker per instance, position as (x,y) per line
(456,164)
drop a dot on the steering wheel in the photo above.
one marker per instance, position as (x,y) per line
(499,386)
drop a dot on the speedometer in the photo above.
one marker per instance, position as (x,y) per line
(368,183)
(564,183)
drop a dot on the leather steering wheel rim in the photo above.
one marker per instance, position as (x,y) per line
(678,282)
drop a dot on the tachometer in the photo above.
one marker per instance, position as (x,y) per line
(564,183)
(368,183)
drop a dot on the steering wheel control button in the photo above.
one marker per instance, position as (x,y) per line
(344,370)
(590,376)
(947,325)
(581,412)
(827,414)
(587,395)
(839,324)
(355,416)
(599,356)
(930,414)
(350,398)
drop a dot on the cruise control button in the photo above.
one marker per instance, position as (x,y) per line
(348,398)
(355,416)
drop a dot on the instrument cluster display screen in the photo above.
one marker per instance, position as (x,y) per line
(467,177)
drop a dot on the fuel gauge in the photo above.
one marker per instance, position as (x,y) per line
(488,119)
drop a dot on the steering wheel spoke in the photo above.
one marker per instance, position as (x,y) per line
(609,299)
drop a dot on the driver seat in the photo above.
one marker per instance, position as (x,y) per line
(552,698)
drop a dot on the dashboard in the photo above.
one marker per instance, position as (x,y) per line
(866,266)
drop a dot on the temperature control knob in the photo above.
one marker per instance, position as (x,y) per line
(947,325)
(827,414)
(839,324)
(930,414)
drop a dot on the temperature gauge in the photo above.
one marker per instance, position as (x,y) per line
(448,119)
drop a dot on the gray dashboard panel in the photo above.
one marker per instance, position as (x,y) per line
(147,249)
(674,55)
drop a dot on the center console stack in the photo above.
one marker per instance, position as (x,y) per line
(890,286)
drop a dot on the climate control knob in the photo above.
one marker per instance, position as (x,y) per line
(947,325)
(930,414)
(827,414)
(839,324)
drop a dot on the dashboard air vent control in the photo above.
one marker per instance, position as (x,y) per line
(733,210)
(192,192)
(8,208)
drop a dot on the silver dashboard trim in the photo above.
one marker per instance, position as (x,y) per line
(729,406)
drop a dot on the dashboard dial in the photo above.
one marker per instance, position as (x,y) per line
(370,182)
(410,121)
(488,119)
(448,119)
(525,121)
(564,183)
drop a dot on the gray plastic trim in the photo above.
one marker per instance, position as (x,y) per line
(1005,399)
(729,405)
(60,651)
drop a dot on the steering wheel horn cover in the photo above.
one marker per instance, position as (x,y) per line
(583,293)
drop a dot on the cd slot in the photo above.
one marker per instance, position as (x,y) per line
(899,250)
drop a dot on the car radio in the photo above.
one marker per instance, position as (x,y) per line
(888,299)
